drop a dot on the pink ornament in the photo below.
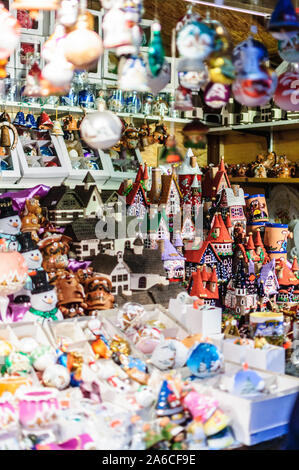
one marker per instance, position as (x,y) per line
(38,407)
(216,95)
(201,407)
(287,92)
(13,275)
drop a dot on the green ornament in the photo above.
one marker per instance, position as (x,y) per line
(156,52)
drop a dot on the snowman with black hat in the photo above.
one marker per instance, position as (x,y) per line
(33,257)
(10,224)
(43,300)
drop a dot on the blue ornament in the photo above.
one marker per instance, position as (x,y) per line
(133,103)
(283,19)
(247,58)
(62,359)
(30,121)
(44,150)
(248,382)
(135,362)
(205,360)
(4,165)
(19,119)
(86,98)
(71,99)
(75,382)
(167,404)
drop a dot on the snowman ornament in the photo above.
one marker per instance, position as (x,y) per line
(43,300)
(10,225)
(33,258)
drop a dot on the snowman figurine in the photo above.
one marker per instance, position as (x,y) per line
(43,300)
(33,257)
(10,225)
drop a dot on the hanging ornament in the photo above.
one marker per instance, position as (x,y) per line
(33,84)
(222,38)
(195,40)
(156,51)
(83,46)
(68,13)
(288,48)
(195,134)
(5,125)
(194,78)
(170,154)
(9,36)
(158,83)
(287,92)
(183,99)
(57,71)
(221,70)
(248,56)
(34,6)
(255,92)
(102,129)
(216,95)
(126,37)
(132,74)
(283,19)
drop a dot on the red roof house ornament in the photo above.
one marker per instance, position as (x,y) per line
(260,250)
(216,181)
(204,285)
(295,268)
(288,292)
(250,248)
(136,198)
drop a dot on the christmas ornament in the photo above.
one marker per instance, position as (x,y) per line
(204,360)
(34,6)
(132,75)
(170,154)
(288,47)
(13,275)
(286,95)
(221,70)
(248,56)
(283,19)
(255,92)
(169,354)
(9,37)
(194,134)
(82,46)
(195,40)
(156,51)
(42,357)
(193,79)
(183,99)
(216,95)
(68,12)
(56,375)
(102,129)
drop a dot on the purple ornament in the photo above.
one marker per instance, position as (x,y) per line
(19,197)
(216,95)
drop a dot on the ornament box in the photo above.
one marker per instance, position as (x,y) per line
(121,169)
(271,359)
(75,176)
(32,140)
(13,175)
(205,319)
(258,418)
(30,330)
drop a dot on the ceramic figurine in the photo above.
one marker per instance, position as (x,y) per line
(71,296)
(43,300)
(10,224)
(54,249)
(98,294)
(256,208)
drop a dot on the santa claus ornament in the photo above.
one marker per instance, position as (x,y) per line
(287,92)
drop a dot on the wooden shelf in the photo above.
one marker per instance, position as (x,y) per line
(238,179)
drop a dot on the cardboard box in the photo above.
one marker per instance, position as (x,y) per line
(205,320)
(272,359)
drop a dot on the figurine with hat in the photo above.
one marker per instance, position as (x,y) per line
(43,300)
(33,258)
(10,224)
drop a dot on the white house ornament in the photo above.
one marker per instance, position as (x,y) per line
(101,130)
(287,92)
(132,75)
(82,46)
